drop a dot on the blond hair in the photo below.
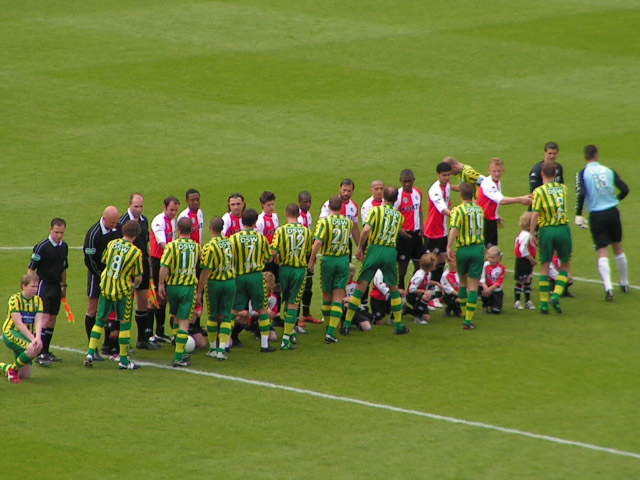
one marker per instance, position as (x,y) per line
(27,278)
(525,221)
(497,162)
(428,261)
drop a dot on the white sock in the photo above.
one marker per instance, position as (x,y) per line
(605,272)
(621,260)
(264,340)
(223,346)
(213,345)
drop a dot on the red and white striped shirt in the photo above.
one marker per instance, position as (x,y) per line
(523,245)
(419,281)
(492,275)
(367,205)
(439,200)
(379,289)
(305,219)
(267,225)
(163,231)
(232,224)
(450,282)
(409,204)
(349,210)
(489,197)
(197,223)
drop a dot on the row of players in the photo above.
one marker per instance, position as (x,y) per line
(409,203)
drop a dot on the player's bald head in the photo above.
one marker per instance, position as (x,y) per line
(390,194)
(293,211)
(335,204)
(376,183)
(216,225)
(184,226)
(110,217)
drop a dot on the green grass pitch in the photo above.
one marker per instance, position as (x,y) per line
(100,99)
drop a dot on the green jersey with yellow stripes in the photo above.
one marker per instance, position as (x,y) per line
(550,201)
(123,260)
(385,222)
(469,175)
(28,308)
(181,258)
(250,251)
(468,219)
(292,243)
(334,232)
(217,257)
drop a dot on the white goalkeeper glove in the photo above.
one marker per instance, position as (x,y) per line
(581,222)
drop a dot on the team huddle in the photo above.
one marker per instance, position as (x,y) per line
(256,273)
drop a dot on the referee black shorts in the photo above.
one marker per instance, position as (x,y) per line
(93,285)
(410,248)
(490,233)
(606,227)
(146,275)
(435,245)
(51,294)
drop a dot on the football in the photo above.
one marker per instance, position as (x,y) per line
(190,346)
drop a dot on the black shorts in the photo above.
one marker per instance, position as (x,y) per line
(490,233)
(93,285)
(435,245)
(410,248)
(146,275)
(155,270)
(195,328)
(51,294)
(606,227)
(493,301)
(523,269)
(274,268)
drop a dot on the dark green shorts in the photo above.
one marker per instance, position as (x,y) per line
(470,260)
(292,281)
(556,238)
(182,301)
(383,258)
(16,342)
(334,273)
(123,308)
(220,295)
(251,287)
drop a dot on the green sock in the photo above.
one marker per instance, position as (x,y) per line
(181,341)
(354,303)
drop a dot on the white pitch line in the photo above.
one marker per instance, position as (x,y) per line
(381,406)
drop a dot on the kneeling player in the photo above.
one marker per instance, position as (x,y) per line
(22,330)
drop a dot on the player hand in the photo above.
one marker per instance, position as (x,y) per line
(359,254)
(199,298)
(499,222)
(534,241)
(162,291)
(451,255)
(581,222)
(311,265)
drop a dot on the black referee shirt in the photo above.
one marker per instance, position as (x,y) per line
(142,240)
(95,244)
(50,261)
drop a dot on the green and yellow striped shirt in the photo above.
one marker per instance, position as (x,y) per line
(550,200)
(28,308)
(292,243)
(181,258)
(250,251)
(123,260)
(334,232)
(468,219)
(469,175)
(385,222)
(217,257)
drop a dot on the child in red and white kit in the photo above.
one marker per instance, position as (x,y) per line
(491,281)
(450,282)
(525,260)
(418,295)
(362,318)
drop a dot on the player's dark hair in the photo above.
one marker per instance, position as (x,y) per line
(134,195)
(58,222)
(549,170)
(216,224)
(184,225)
(443,167)
(293,210)
(406,173)
(267,196)
(249,217)
(304,194)
(466,191)
(131,229)
(590,152)
(348,181)
(391,194)
(551,146)
(171,199)
(191,191)
(335,203)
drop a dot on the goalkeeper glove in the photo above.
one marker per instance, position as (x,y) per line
(581,222)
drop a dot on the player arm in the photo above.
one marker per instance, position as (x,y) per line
(623,187)
(64,284)
(532,228)
(90,252)
(355,233)
(581,192)
(158,231)
(317,244)
(451,253)
(362,238)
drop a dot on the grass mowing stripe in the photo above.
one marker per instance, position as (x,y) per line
(580,279)
(381,406)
